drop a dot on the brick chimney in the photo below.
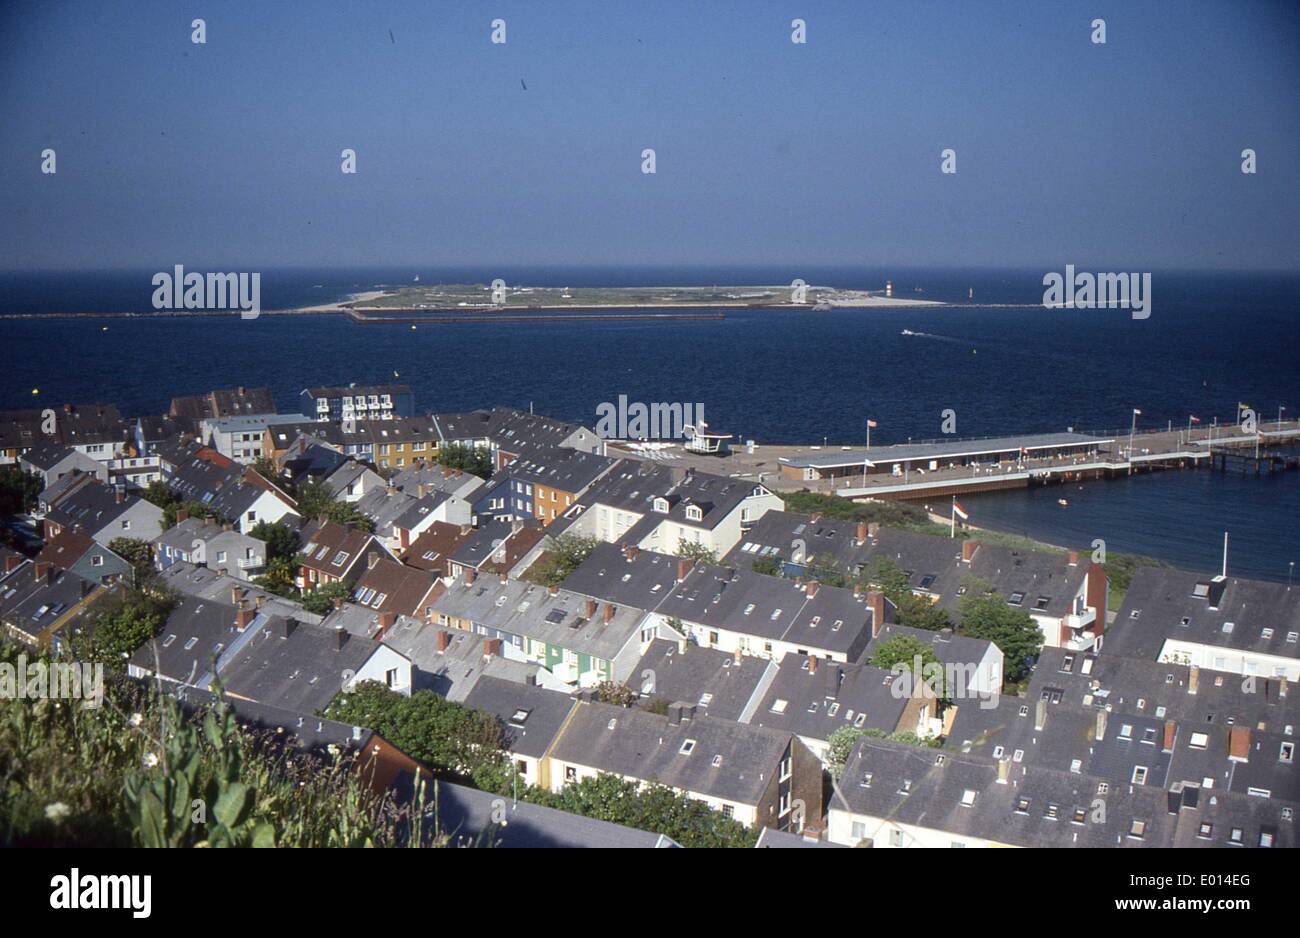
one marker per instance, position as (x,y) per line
(43,571)
(876,603)
(968,549)
(244,618)
(815,517)
(13,563)
(236,595)
(491,647)
(630,551)
(444,641)
(553,590)
(470,573)
(862,533)
(738,655)
(182,515)
(609,613)
(873,528)
(1193,678)
(386,621)
(812,664)
(1171,731)
(590,608)
(287,626)
(421,490)
(684,565)
(1074,558)
(340,637)
(812,588)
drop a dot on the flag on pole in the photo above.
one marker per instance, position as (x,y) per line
(1137,412)
(871,423)
(959,511)
(1241,406)
(1194,419)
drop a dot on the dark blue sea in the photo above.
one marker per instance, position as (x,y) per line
(1212,341)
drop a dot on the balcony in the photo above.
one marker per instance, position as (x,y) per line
(1082,619)
(250,563)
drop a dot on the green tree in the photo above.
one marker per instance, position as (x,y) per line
(619,695)
(315,500)
(825,569)
(279,577)
(902,652)
(919,613)
(457,743)
(696,552)
(122,624)
(18,490)
(986,615)
(768,566)
(321,600)
(139,554)
(192,509)
(884,574)
(475,460)
(562,557)
(280,539)
(654,808)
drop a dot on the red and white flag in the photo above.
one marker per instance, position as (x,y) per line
(959,511)
(871,423)
(1194,419)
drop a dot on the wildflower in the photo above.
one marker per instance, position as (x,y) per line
(57,811)
(137,719)
(150,760)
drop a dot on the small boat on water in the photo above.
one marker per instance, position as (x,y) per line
(907,332)
(1062,502)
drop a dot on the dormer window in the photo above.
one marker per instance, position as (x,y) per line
(661,505)
(693,513)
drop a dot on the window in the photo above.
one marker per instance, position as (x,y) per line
(1287,752)
(968,798)
(728,810)
(1137,829)
(1205,831)
(1139,775)
(1016,598)
(1022,806)
(688,746)
(570,774)
(1199,740)
(895,838)
(779,705)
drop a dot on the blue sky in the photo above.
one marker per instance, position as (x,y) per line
(1125,154)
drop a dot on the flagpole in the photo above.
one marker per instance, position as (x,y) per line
(952,522)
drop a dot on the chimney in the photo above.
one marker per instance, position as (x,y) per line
(811,591)
(287,626)
(470,573)
(338,602)
(182,515)
(1040,714)
(261,600)
(422,490)
(1193,678)
(1002,771)
(1074,558)
(873,528)
(968,549)
(684,567)
(553,590)
(386,621)
(244,618)
(590,609)
(609,613)
(862,533)
(372,559)
(681,646)
(236,595)
(340,637)
(43,572)
(815,517)
(227,526)
(119,496)
(1171,730)
(1101,726)
(876,603)
(630,551)
(444,641)
(391,489)
(737,656)
(812,664)
(491,647)
(504,579)
(13,563)
(1239,744)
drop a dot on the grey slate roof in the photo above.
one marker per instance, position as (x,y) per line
(194,635)
(1042,807)
(530,716)
(1163,598)
(729,761)
(813,699)
(715,681)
